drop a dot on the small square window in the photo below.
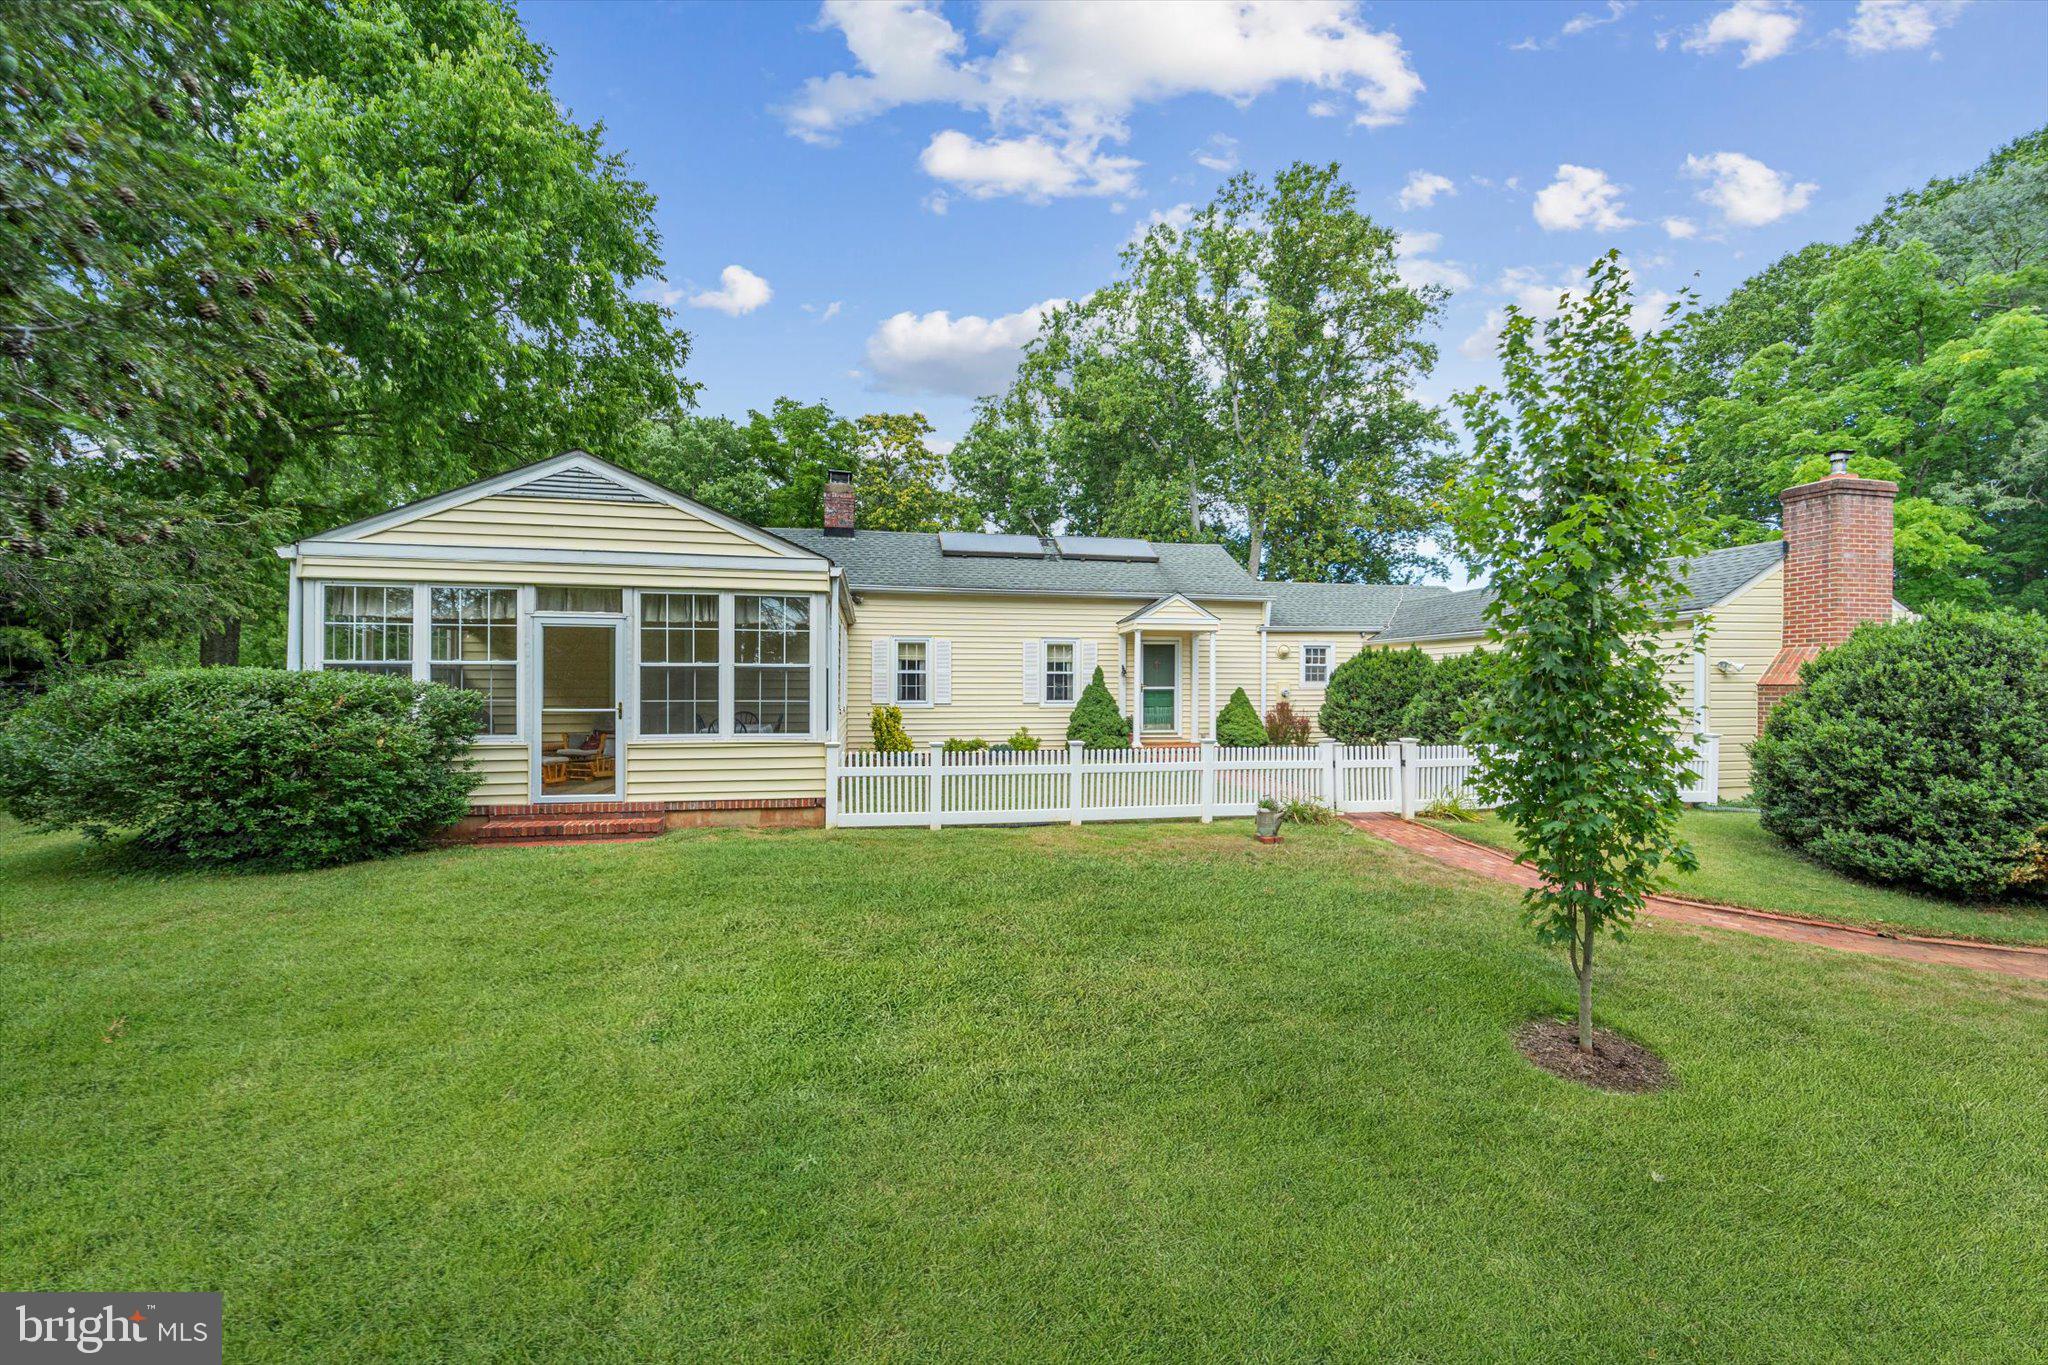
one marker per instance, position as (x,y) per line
(1315,664)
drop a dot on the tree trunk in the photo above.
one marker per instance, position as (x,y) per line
(221,647)
(1585,965)
(1255,548)
(1194,500)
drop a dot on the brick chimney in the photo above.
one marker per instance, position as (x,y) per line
(1838,570)
(839,502)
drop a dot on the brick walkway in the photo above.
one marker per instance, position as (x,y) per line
(1447,848)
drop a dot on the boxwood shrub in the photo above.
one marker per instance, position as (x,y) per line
(1918,754)
(244,765)
(1452,692)
(1366,698)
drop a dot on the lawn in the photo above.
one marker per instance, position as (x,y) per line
(1740,864)
(1141,1092)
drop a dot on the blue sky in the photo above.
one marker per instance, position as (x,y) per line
(866,203)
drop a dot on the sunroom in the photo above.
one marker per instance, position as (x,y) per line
(629,644)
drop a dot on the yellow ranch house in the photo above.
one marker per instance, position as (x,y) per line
(645,655)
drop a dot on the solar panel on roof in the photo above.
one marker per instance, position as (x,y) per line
(984,545)
(1128,549)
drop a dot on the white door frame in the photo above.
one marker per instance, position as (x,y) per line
(537,666)
(1179,674)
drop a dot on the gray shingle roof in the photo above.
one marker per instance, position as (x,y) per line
(911,559)
(1341,606)
(1709,579)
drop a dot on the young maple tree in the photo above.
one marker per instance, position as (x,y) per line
(1573,509)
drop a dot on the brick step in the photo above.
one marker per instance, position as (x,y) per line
(556,828)
(557,810)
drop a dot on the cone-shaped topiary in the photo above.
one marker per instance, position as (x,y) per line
(1370,691)
(1096,722)
(1238,725)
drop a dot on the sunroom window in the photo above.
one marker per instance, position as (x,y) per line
(368,630)
(771,674)
(678,663)
(475,645)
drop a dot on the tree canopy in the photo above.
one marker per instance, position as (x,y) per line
(1247,379)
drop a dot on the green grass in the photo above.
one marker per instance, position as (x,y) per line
(1740,864)
(1146,1092)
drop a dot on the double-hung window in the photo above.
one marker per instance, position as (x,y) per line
(1059,671)
(368,630)
(913,673)
(475,644)
(771,665)
(678,663)
(1315,665)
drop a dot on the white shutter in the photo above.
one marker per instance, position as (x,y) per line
(1084,666)
(883,687)
(1034,672)
(942,672)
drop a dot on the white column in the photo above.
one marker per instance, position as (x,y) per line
(1138,689)
(938,781)
(1195,687)
(294,623)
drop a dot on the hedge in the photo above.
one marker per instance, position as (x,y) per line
(1918,754)
(244,765)
(1365,699)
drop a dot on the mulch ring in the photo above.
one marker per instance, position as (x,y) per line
(1616,1063)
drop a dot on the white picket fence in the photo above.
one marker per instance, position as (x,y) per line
(1074,784)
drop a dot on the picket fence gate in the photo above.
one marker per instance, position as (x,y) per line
(1076,784)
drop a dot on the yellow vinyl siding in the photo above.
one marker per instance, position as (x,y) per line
(1175,615)
(547,524)
(987,634)
(512,573)
(738,771)
(1283,675)
(503,774)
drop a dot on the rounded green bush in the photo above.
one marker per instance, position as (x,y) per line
(1095,721)
(1238,725)
(1918,754)
(886,724)
(244,765)
(1451,695)
(1366,698)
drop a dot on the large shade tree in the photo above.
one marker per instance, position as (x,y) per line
(1248,378)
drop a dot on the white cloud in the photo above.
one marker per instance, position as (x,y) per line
(1219,153)
(826,312)
(1763,29)
(1899,25)
(1072,74)
(1680,228)
(1030,167)
(659,291)
(739,291)
(938,353)
(1583,22)
(1424,188)
(1580,197)
(1418,267)
(1322,109)
(1747,192)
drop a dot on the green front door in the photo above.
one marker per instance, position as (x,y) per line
(1159,686)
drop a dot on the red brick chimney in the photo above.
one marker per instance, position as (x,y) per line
(1838,570)
(839,503)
